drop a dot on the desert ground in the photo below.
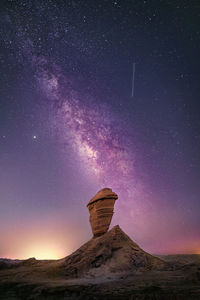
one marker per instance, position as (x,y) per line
(111,266)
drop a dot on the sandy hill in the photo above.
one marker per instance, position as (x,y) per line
(112,252)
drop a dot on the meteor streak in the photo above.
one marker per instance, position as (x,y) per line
(133,81)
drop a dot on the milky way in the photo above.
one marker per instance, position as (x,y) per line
(91,128)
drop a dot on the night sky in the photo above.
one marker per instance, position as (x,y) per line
(70,126)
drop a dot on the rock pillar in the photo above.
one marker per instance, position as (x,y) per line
(101,211)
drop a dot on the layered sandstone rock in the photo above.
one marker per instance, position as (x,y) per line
(101,211)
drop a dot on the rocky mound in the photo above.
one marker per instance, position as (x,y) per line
(111,266)
(113,252)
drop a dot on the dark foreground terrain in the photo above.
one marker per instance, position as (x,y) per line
(111,267)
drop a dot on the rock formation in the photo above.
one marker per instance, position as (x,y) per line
(109,266)
(112,253)
(101,211)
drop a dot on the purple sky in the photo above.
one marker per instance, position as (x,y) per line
(69,126)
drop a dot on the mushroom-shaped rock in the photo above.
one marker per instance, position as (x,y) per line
(101,211)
